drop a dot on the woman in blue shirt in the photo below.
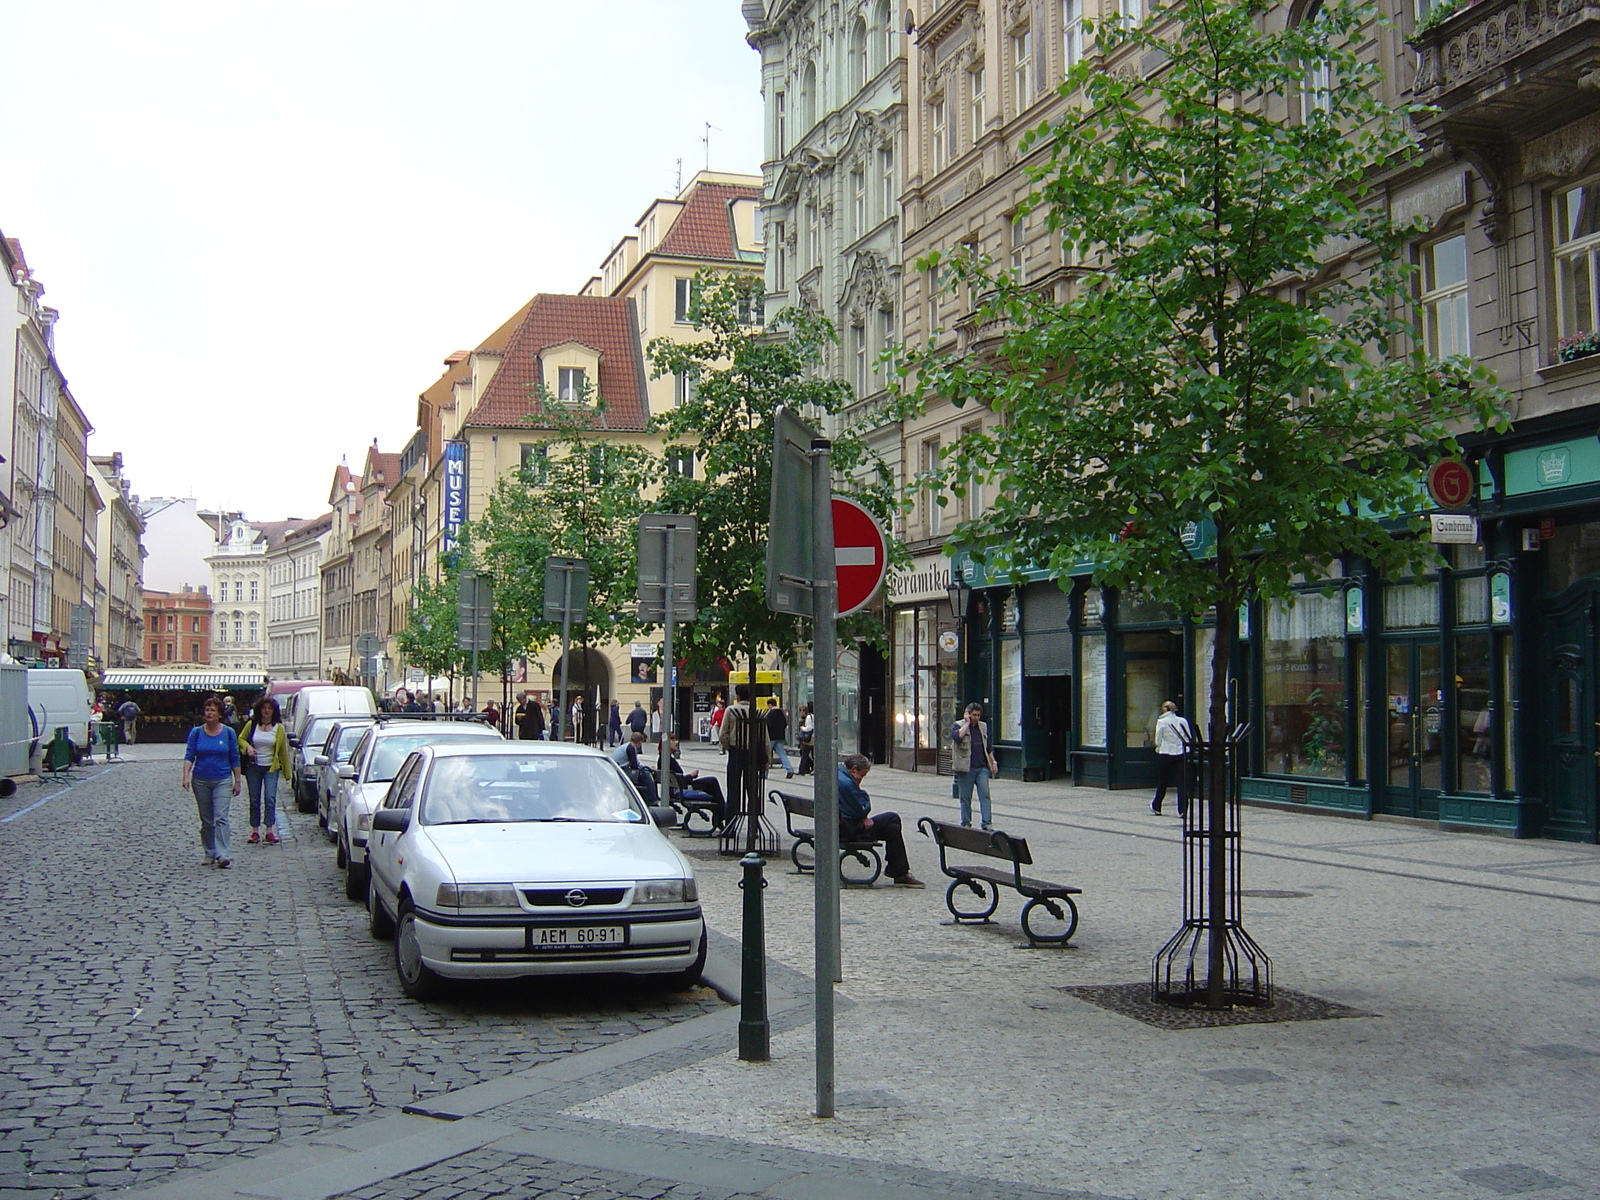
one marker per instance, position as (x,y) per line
(210,761)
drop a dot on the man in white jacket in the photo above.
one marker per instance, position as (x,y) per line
(1172,740)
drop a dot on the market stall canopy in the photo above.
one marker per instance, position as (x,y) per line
(187,681)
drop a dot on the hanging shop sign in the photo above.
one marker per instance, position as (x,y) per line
(1500,598)
(1454,529)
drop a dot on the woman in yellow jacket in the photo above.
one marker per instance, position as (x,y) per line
(264,745)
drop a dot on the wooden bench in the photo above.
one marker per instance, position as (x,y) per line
(858,853)
(1049,918)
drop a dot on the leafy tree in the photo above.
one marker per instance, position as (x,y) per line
(429,638)
(1189,374)
(741,375)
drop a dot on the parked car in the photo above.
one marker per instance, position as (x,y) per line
(336,751)
(502,860)
(303,755)
(326,700)
(366,777)
(59,698)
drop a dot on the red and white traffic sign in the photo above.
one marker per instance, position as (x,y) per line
(860,555)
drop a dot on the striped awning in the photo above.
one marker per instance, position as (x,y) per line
(184,681)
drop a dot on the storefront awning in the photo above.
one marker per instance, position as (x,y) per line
(186,681)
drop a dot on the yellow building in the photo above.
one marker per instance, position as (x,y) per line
(478,422)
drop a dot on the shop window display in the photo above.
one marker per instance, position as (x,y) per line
(1304,681)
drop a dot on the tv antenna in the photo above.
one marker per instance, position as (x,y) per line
(706,141)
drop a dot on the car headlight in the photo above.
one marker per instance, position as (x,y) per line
(364,820)
(664,891)
(477,895)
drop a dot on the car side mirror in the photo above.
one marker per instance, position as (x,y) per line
(294,741)
(663,814)
(391,820)
(345,772)
(321,760)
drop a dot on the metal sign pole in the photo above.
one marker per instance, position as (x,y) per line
(666,665)
(824,591)
(566,647)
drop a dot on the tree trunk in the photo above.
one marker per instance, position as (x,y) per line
(1217,779)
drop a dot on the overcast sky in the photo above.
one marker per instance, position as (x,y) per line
(266,224)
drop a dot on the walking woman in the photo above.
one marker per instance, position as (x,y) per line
(210,762)
(808,739)
(264,744)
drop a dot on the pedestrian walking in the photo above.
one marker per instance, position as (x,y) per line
(264,746)
(655,723)
(807,738)
(638,719)
(577,718)
(1173,736)
(972,760)
(737,736)
(530,721)
(777,723)
(717,715)
(127,721)
(614,724)
(210,769)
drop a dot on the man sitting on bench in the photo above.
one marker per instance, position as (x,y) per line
(857,824)
(693,786)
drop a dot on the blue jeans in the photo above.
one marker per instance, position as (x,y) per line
(782,752)
(965,782)
(263,785)
(213,797)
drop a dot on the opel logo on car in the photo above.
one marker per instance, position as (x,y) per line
(577,897)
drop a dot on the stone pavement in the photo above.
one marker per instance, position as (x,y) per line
(964,1069)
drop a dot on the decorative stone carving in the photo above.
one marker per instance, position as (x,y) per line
(1564,152)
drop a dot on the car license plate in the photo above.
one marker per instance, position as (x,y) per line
(576,937)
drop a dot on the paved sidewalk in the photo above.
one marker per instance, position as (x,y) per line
(964,1069)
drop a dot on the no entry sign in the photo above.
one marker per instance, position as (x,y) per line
(860,555)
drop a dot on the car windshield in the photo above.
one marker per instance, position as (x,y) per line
(317,733)
(390,752)
(506,787)
(348,737)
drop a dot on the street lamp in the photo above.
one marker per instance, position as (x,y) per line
(959,592)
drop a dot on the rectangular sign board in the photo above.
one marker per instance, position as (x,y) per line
(557,573)
(667,539)
(790,532)
(474,611)
(455,493)
(1454,528)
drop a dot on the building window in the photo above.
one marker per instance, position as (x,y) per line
(1316,89)
(238,631)
(255,631)
(683,297)
(887,31)
(780,116)
(680,462)
(858,356)
(858,203)
(858,55)
(813,237)
(1577,259)
(572,385)
(936,123)
(1132,11)
(683,389)
(1304,678)
(194,624)
(886,175)
(780,259)
(1019,248)
(1022,67)
(1071,33)
(979,116)
(255,589)
(534,461)
(929,464)
(972,503)
(752,307)
(1446,321)
(222,631)
(808,98)
(644,308)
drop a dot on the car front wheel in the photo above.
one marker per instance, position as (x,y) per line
(416,980)
(683,981)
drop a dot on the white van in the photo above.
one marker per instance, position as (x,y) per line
(309,709)
(57,698)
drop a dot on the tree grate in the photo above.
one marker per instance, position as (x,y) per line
(1133,1000)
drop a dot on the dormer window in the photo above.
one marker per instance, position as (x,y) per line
(574,385)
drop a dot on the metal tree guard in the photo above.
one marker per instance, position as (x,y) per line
(747,830)
(1213,928)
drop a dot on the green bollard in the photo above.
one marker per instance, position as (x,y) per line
(755,1031)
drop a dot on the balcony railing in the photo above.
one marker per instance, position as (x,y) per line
(1510,66)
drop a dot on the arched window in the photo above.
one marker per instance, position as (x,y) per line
(808,97)
(888,35)
(858,55)
(1316,88)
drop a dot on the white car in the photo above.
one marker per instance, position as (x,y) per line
(366,778)
(336,752)
(528,858)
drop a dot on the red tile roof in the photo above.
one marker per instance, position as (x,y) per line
(381,469)
(603,323)
(704,229)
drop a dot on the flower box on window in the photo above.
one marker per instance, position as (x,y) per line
(1578,345)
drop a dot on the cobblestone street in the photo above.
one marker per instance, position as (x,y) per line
(160,1014)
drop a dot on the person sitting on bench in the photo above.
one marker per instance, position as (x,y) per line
(857,824)
(693,786)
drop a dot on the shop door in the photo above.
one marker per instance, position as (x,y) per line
(1570,744)
(1415,721)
